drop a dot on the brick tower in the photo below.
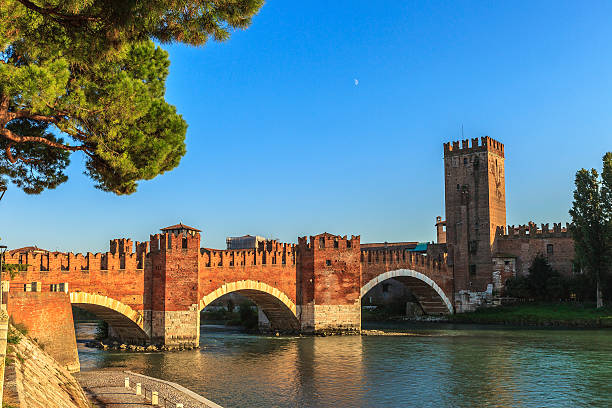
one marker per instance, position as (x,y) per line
(329,283)
(175,316)
(475,196)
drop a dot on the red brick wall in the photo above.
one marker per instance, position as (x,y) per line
(48,317)
(126,286)
(475,202)
(377,262)
(336,269)
(526,248)
(281,277)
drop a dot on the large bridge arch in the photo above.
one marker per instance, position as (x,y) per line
(430,295)
(280,310)
(126,323)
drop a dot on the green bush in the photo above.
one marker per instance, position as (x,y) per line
(101,331)
(248,316)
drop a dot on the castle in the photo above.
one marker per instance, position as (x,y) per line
(153,291)
(482,251)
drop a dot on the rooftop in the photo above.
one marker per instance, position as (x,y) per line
(180,226)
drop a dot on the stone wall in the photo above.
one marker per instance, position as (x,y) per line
(525,242)
(33,379)
(48,318)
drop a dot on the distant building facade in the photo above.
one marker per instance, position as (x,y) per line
(244,242)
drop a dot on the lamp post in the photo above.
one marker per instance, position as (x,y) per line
(2,252)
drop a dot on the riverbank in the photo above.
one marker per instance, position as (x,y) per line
(107,389)
(540,314)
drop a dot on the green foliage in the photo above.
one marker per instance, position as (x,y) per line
(545,284)
(21,328)
(13,336)
(540,276)
(592,223)
(248,316)
(542,282)
(101,331)
(517,287)
(541,314)
(89,71)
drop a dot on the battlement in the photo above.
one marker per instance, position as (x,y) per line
(484,144)
(121,245)
(173,241)
(275,254)
(327,241)
(400,256)
(531,230)
(68,261)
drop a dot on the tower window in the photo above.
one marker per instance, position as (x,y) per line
(336,243)
(328,262)
(184,243)
(321,242)
(549,249)
(458,187)
(472,270)
(465,161)
(348,244)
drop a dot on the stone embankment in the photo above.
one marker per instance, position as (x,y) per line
(33,379)
(110,388)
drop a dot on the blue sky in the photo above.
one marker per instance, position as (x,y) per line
(281,142)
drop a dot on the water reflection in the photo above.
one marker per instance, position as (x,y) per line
(450,367)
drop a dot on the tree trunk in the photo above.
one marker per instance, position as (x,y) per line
(599,299)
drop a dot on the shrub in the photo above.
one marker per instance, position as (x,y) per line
(101,330)
(248,316)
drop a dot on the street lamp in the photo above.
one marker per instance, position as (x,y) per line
(2,252)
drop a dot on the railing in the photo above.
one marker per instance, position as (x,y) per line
(157,392)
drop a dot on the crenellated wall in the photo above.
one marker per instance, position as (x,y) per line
(153,291)
(519,245)
(329,277)
(375,263)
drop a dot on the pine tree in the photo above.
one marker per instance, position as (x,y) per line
(88,71)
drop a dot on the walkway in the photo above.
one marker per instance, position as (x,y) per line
(102,387)
(106,388)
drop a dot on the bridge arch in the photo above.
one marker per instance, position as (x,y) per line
(430,295)
(127,323)
(280,310)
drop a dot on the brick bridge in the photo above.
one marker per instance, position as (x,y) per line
(155,294)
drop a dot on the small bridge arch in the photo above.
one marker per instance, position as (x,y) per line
(280,310)
(127,323)
(432,298)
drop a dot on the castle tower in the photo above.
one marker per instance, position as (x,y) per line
(175,315)
(440,231)
(475,198)
(329,279)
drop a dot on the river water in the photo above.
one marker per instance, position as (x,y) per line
(437,366)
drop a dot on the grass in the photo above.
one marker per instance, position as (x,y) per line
(541,314)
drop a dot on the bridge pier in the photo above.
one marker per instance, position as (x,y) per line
(176,328)
(329,273)
(336,319)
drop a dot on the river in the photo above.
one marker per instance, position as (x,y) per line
(437,366)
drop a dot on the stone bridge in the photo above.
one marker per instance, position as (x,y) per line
(154,294)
